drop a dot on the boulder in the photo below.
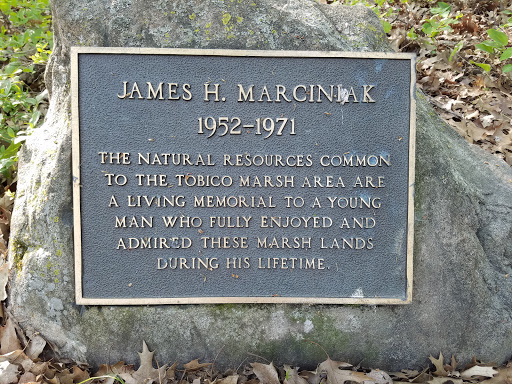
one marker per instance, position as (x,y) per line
(462,297)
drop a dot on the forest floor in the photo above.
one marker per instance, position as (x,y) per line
(464,63)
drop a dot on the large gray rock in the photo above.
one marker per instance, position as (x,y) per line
(463,243)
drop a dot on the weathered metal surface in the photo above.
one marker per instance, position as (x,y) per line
(327,217)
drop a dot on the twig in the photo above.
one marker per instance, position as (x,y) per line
(214,360)
(159,375)
(313,342)
(243,361)
(252,354)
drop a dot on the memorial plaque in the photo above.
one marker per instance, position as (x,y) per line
(214,176)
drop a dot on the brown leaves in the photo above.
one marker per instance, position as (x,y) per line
(504,376)
(439,364)
(292,376)
(335,375)
(146,370)
(267,374)
(8,373)
(195,365)
(9,341)
(475,372)
(474,102)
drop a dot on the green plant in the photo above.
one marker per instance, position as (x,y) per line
(384,9)
(116,378)
(25,45)
(440,20)
(496,46)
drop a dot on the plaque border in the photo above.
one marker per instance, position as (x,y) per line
(77,232)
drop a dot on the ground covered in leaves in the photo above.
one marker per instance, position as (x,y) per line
(464,63)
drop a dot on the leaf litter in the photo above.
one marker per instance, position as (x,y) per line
(475,100)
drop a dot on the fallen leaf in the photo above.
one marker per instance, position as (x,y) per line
(27,377)
(311,377)
(292,376)
(195,365)
(478,370)
(8,373)
(146,370)
(4,276)
(170,374)
(504,376)
(9,341)
(65,377)
(35,347)
(79,375)
(231,379)
(39,368)
(439,364)
(380,377)
(266,373)
(422,377)
(335,375)
(445,380)
(118,369)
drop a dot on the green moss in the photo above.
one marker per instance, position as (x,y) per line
(223,308)
(19,249)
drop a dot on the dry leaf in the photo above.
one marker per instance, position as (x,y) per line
(35,347)
(9,341)
(195,365)
(422,377)
(504,376)
(119,368)
(232,379)
(443,380)
(27,377)
(65,377)
(335,375)
(453,367)
(170,374)
(39,368)
(478,370)
(8,373)
(439,364)
(4,276)
(311,377)
(79,375)
(292,376)
(146,370)
(267,374)
(402,375)
(380,377)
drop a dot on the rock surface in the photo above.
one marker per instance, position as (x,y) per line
(462,300)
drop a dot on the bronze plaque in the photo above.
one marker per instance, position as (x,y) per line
(213,176)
